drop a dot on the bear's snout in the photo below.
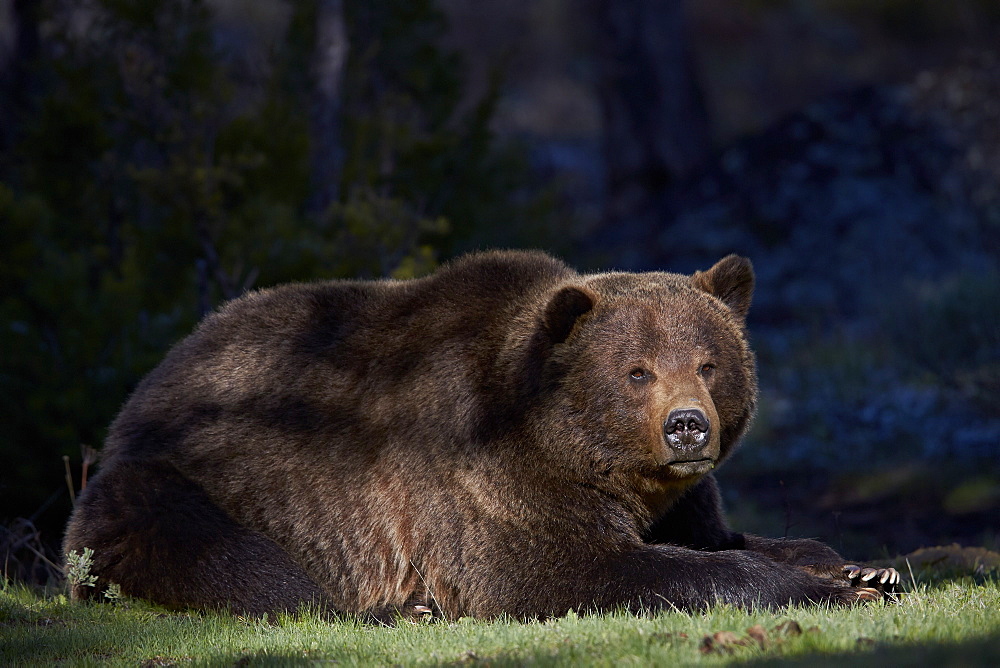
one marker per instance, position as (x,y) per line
(686,429)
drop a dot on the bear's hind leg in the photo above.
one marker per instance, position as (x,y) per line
(159,537)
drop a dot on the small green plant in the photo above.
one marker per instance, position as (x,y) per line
(113,593)
(78,569)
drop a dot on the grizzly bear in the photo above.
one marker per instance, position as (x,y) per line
(505,436)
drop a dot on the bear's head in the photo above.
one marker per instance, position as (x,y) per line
(652,372)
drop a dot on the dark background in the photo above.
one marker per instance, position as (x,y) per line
(159,157)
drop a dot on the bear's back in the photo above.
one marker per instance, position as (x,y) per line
(312,358)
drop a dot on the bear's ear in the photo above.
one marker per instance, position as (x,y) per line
(564,309)
(731,280)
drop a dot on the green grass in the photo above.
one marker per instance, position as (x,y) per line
(954,622)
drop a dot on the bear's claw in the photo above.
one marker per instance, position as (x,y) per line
(883,581)
(868,594)
(885,576)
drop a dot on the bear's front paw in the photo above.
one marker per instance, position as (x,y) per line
(882,580)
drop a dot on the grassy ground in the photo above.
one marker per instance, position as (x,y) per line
(948,622)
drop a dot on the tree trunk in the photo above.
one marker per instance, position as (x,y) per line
(16,68)
(329,59)
(655,122)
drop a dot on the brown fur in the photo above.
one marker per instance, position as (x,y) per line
(472,440)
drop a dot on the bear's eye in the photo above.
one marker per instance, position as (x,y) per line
(707,370)
(638,374)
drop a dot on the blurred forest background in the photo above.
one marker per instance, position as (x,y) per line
(158,157)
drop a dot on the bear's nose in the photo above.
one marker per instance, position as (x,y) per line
(686,428)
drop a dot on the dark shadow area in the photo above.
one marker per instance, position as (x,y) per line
(873,514)
(980,652)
